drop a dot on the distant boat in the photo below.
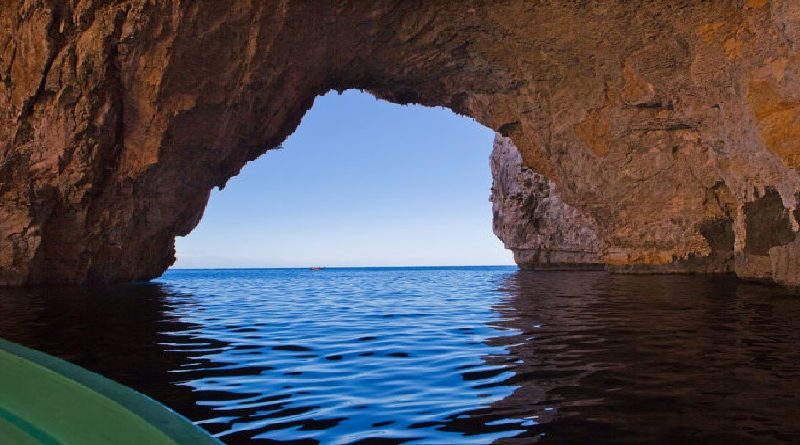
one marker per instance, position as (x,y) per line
(317,268)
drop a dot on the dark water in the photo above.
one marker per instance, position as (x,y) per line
(439,356)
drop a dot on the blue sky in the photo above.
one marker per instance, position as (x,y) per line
(362,182)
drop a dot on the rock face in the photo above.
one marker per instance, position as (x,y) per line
(785,264)
(669,132)
(533,221)
(544,232)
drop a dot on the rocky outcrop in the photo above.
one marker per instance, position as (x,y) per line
(544,232)
(785,264)
(669,128)
(533,221)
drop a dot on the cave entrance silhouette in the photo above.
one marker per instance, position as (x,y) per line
(361,182)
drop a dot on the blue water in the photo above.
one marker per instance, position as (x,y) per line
(343,355)
(439,355)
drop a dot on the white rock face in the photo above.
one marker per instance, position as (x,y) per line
(530,218)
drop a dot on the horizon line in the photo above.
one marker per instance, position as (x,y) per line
(339,267)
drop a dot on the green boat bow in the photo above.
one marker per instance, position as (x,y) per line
(48,401)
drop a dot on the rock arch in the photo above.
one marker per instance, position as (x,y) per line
(670,128)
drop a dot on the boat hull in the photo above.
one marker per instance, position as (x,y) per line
(46,400)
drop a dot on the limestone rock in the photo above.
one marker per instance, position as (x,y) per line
(664,124)
(529,216)
(785,262)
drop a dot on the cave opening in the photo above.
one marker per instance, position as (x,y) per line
(361,182)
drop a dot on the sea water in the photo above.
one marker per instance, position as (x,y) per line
(455,355)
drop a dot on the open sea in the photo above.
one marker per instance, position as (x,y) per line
(446,355)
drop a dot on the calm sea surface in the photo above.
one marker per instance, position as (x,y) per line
(439,355)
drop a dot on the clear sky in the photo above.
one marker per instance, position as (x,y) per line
(362,182)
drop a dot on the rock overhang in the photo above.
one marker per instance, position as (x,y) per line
(658,136)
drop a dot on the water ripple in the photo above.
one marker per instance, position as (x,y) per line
(439,355)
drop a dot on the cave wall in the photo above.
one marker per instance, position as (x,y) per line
(662,124)
(532,220)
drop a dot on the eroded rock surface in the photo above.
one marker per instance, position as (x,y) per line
(785,264)
(673,128)
(533,221)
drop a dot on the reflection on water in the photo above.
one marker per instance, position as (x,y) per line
(119,332)
(439,356)
(650,359)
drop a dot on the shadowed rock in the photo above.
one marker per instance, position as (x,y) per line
(648,122)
